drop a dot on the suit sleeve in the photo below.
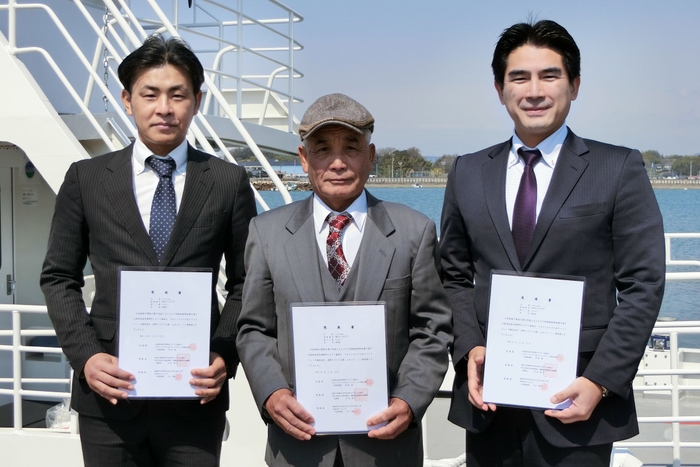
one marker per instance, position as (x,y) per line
(257,326)
(224,340)
(639,273)
(62,275)
(430,330)
(458,273)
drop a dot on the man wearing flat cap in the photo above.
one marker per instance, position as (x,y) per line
(343,244)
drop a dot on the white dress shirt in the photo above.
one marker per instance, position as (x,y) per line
(544,168)
(352,234)
(146,180)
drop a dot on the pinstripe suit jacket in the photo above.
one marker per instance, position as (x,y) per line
(599,220)
(97,217)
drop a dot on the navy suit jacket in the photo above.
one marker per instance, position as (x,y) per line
(97,217)
(600,220)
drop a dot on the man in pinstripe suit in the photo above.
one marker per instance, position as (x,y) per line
(103,212)
(549,202)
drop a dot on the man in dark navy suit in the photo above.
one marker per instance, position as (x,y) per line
(106,210)
(592,213)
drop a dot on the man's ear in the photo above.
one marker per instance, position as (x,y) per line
(126,100)
(575,87)
(499,90)
(301,150)
(197,102)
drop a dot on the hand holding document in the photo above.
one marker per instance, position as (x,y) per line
(340,364)
(164,325)
(532,339)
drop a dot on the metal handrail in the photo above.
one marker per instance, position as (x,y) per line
(228,111)
(17,349)
(133,31)
(673,329)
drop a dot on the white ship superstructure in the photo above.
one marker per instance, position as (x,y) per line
(60,102)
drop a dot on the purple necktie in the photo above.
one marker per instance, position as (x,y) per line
(525,210)
(337,264)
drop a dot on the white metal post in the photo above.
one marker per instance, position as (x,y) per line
(12,25)
(290,102)
(675,396)
(239,60)
(17,369)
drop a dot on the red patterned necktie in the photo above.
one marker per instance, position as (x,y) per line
(337,264)
(525,209)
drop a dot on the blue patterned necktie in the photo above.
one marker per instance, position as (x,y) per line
(337,264)
(525,209)
(163,208)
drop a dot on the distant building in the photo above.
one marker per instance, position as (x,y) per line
(281,168)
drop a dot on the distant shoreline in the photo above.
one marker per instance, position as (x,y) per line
(676,184)
(267,185)
(304,185)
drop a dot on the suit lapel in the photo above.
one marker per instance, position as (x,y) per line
(570,166)
(302,250)
(118,185)
(376,252)
(198,186)
(494,176)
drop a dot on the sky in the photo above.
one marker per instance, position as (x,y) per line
(423,68)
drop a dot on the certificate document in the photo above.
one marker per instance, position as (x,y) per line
(340,363)
(164,323)
(532,338)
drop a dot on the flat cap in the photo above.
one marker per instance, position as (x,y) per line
(335,109)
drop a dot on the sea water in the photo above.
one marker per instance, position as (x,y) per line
(678,207)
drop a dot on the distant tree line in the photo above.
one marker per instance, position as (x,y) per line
(660,166)
(408,163)
(405,163)
(392,162)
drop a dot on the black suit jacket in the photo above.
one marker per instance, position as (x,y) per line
(600,220)
(97,217)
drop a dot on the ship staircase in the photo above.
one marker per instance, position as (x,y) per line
(60,59)
(60,103)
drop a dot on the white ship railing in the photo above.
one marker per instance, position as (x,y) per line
(109,37)
(18,348)
(673,329)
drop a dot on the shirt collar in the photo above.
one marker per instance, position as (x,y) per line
(141,153)
(358,211)
(549,148)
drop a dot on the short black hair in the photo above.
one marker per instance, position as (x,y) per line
(157,51)
(543,33)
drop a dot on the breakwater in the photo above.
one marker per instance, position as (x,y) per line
(675,183)
(304,185)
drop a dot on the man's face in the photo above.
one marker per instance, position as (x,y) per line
(163,104)
(536,92)
(338,161)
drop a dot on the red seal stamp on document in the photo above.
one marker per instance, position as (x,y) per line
(183,360)
(549,370)
(178,376)
(357,411)
(193,347)
(369,382)
(361,394)
(560,358)
(544,386)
